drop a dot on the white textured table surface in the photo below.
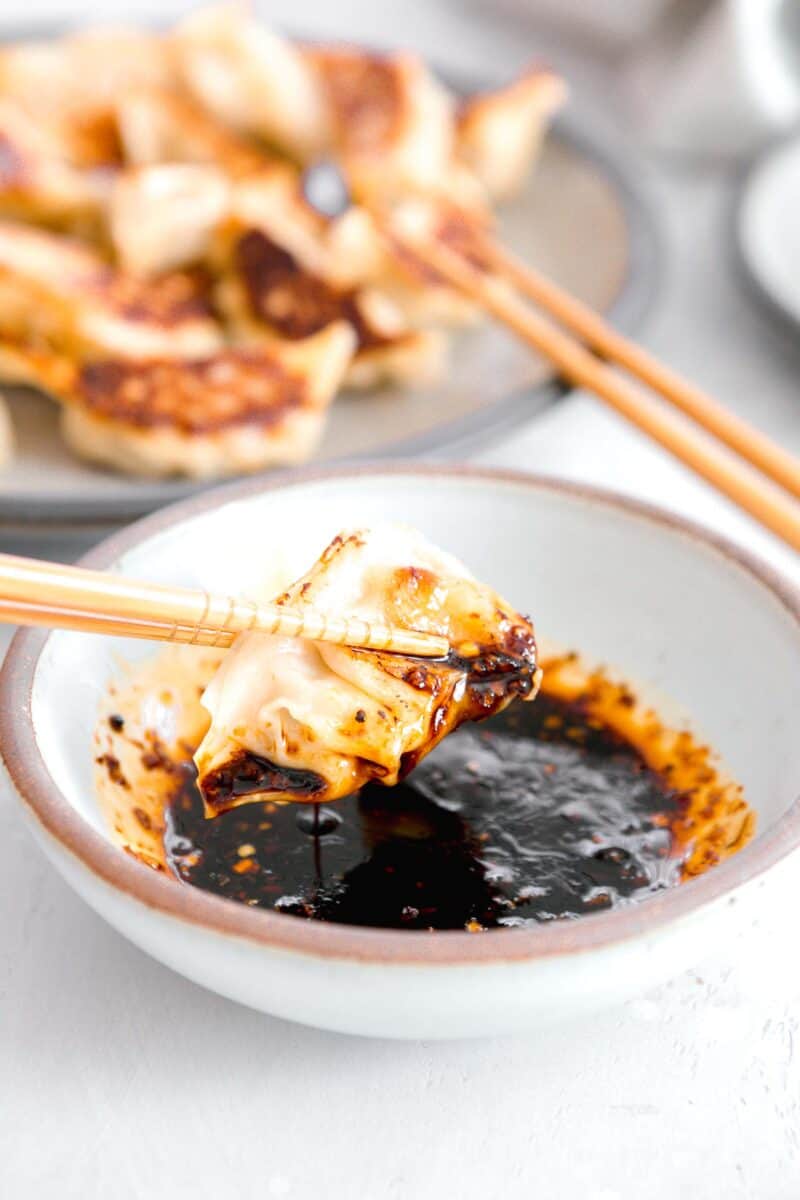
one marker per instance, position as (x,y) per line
(119,1079)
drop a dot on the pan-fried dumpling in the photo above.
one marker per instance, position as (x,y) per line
(164,216)
(353,244)
(499,132)
(70,86)
(251,79)
(265,292)
(59,291)
(158,125)
(389,120)
(37,183)
(166,128)
(274,201)
(83,71)
(355,249)
(392,122)
(232,412)
(299,720)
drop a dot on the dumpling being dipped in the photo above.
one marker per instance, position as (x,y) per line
(299,720)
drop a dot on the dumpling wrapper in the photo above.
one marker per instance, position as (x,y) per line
(267,292)
(299,720)
(239,410)
(500,132)
(69,86)
(37,183)
(160,126)
(251,78)
(162,217)
(392,122)
(58,291)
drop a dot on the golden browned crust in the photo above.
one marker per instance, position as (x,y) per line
(168,300)
(366,93)
(232,388)
(228,412)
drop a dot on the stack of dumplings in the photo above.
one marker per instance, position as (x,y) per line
(162,275)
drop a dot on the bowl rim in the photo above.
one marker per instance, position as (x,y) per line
(56,817)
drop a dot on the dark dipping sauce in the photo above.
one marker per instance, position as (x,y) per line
(537,814)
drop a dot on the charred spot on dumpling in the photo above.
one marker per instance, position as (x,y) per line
(355,540)
(418,676)
(248,774)
(235,387)
(518,640)
(295,302)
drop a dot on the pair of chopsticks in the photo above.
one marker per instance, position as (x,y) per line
(736,458)
(43,593)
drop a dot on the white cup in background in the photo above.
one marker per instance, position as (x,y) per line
(721,84)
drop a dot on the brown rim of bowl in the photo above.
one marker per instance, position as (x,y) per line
(56,816)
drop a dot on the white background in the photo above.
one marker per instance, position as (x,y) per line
(119,1079)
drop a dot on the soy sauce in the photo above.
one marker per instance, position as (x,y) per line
(541,813)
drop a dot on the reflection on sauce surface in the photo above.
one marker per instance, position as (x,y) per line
(578,802)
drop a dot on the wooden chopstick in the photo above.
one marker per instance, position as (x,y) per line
(33,592)
(18,613)
(748,441)
(736,479)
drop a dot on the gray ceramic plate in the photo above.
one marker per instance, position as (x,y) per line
(580,219)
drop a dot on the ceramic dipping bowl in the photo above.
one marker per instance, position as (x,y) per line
(695,624)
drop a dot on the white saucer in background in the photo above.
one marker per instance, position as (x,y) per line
(768,228)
